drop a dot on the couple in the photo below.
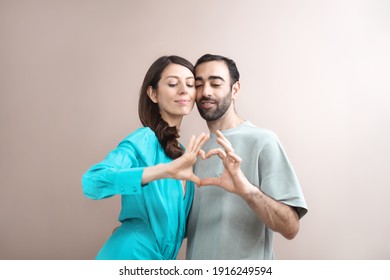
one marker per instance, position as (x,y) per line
(247,186)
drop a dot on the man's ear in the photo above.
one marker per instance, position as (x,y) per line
(235,90)
(152,93)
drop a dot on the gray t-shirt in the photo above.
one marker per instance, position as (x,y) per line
(221,225)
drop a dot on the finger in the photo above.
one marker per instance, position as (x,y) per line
(191,143)
(202,154)
(195,179)
(235,157)
(218,151)
(210,182)
(198,141)
(220,135)
(226,145)
(203,140)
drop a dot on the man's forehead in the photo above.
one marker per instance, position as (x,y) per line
(212,68)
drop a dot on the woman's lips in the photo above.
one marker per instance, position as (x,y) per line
(183,101)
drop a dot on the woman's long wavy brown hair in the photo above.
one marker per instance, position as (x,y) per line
(148,111)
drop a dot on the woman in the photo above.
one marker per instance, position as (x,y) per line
(151,170)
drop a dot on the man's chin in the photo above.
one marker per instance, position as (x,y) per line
(208,117)
(207,114)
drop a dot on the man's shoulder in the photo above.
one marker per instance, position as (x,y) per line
(248,130)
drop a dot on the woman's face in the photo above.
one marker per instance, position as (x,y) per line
(175,93)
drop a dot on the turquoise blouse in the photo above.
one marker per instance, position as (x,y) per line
(153,216)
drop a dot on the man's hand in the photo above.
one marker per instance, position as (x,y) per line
(232,178)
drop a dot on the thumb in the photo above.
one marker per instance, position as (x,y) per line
(195,179)
(210,182)
(202,154)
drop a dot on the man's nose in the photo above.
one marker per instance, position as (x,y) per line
(205,90)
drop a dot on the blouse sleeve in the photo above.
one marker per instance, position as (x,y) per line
(118,173)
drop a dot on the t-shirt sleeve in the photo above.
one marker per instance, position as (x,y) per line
(118,173)
(278,178)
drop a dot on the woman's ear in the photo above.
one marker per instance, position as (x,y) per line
(152,94)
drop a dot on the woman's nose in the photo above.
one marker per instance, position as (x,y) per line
(183,89)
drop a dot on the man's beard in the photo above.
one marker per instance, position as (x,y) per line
(214,114)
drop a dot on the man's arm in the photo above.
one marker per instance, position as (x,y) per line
(274,214)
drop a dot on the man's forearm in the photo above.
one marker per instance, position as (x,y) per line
(274,214)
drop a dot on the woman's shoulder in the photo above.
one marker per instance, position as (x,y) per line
(142,142)
(141,135)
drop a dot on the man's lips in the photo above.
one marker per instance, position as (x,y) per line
(207,103)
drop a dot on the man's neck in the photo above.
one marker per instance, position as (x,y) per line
(226,122)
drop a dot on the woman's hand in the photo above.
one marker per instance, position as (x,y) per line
(182,167)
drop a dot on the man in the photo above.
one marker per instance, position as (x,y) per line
(249,189)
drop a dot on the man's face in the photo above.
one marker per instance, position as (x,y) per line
(213,90)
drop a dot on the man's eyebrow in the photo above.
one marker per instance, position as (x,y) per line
(210,78)
(216,78)
(177,77)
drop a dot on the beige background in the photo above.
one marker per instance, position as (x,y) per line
(315,72)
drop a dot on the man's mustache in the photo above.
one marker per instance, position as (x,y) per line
(207,99)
